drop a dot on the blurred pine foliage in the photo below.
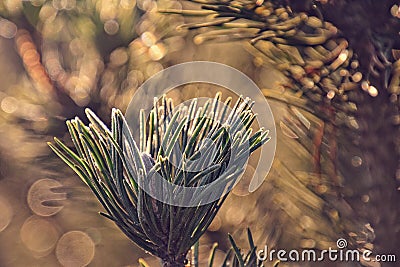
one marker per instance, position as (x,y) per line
(342,96)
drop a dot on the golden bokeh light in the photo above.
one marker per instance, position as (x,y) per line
(111,27)
(9,104)
(39,235)
(42,199)
(75,249)
(7,29)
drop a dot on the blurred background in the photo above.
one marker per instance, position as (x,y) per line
(58,57)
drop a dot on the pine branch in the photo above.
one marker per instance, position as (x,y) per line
(120,173)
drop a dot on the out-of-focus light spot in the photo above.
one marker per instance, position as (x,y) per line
(145,26)
(259,2)
(136,44)
(7,29)
(353,123)
(41,192)
(356,161)
(107,12)
(13,6)
(171,4)
(37,72)
(59,4)
(365,85)
(54,68)
(25,46)
(153,68)
(330,95)
(198,40)
(146,5)
(157,51)
(365,198)
(84,81)
(64,4)
(39,235)
(47,13)
(79,94)
(108,77)
(57,27)
(111,27)
(343,72)
(148,39)
(343,55)
(307,83)
(139,50)
(373,91)
(135,78)
(31,57)
(9,104)
(395,11)
(75,249)
(127,4)
(356,77)
(71,82)
(76,46)
(354,64)
(22,37)
(322,189)
(118,57)
(6,214)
